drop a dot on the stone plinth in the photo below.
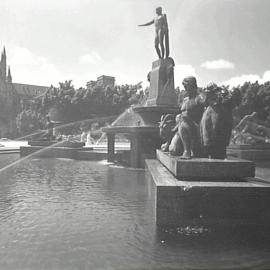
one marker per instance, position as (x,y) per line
(204,169)
(143,142)
(187,203)
(250,152)
(162,92)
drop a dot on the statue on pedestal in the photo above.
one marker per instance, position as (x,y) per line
(162,33)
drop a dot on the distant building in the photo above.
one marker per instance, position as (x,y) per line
(24,91)
(10,96)
(105,81)
(102,81)
(28,91)
(91,84)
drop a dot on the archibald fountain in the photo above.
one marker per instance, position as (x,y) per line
(194,182)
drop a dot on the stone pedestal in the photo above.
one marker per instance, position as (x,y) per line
(162,92)
(143,142)
(204,169)
(212,203)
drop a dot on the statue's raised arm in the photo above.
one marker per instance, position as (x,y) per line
(162,32)
(147,24)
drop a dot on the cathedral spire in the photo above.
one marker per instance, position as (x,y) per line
(9,77)
(3,66)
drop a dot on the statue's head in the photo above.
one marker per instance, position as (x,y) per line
(211,93)
(190,84)
(159,10)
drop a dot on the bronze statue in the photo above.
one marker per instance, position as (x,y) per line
(217,120)
(191,114)
(162,32)
(184,137)
(166,130)
(249,131)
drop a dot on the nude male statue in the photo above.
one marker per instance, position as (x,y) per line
(162,32)
(190,117)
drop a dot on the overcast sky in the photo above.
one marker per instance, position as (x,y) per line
(48,41)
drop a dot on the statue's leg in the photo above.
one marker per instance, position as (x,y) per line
(167,44)
(157,46)
(195,141)
(175,147)
(184,131)
(161,42)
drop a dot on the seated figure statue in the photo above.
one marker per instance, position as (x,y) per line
(189,119)
(182,133)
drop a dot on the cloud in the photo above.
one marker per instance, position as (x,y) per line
(182,71)
(218,64)
(240,80)
(91,58)
(30,68)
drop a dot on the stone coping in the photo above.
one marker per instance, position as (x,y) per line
(157,108)
(57,144)
(127,130)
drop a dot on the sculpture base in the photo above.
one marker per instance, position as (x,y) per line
(161,91)
(250,152)
(185,203)
(204,169)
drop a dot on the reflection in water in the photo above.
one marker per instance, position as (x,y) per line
(66,214)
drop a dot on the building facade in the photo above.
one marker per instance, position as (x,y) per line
(102,81)
(11,95)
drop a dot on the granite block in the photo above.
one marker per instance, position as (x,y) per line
(185,203)
(206,169)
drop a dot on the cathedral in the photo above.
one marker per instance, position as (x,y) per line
(11,95)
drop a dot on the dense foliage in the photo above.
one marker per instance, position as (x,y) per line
(65,103)
(68,104)
(255,98)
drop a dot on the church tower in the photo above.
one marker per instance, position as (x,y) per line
(3,64)
(9,77)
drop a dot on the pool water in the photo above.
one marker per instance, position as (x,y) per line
(66,214)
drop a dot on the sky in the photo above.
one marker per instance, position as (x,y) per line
(48,41)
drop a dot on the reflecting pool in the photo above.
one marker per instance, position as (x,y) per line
(67,214)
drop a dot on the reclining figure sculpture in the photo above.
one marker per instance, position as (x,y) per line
(248,131)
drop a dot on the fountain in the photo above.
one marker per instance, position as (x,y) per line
(143,127)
